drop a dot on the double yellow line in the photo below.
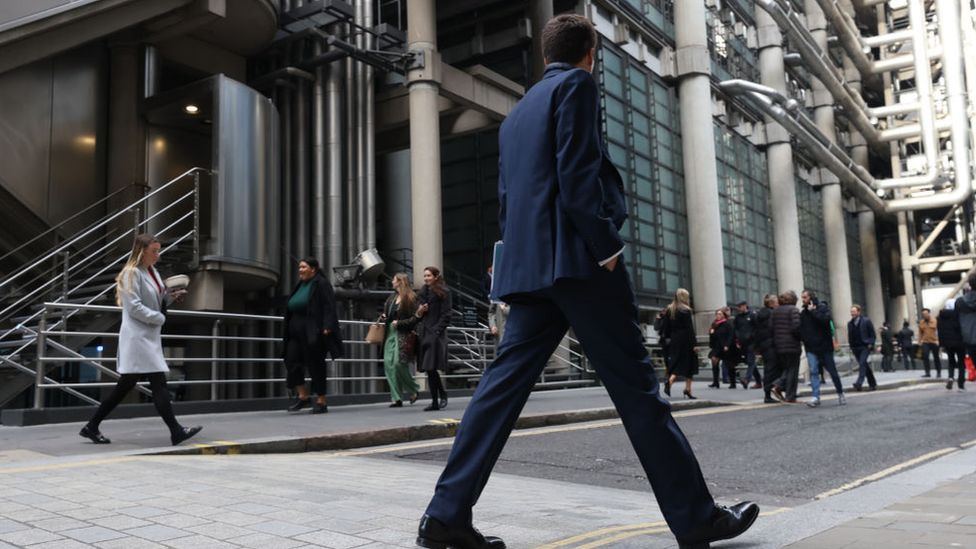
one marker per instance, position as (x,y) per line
(613,534)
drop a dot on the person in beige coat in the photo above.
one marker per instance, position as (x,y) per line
(140,291)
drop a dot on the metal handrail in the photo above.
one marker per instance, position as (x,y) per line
(105,221)
(66,221)
(468,341)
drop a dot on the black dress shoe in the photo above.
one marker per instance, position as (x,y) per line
(183,433)
(414,398)
(726,523)
(434,534)
(443,402)
(299,404)
(93,435)
(397,404)
(320,409)
(432,408)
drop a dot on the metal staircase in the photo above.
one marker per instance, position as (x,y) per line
(81,270)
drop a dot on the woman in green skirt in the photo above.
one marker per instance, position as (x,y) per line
(399,348)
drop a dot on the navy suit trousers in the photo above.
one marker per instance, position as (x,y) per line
(603,313)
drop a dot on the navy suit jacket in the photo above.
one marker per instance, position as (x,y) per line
(863,337)
(561,199)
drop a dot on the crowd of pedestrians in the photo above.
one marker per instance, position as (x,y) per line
(781,331)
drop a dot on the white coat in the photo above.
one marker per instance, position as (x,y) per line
(140,345)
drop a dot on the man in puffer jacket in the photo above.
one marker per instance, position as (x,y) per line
(785,323)
(950,338)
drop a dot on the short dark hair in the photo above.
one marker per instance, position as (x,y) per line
(311,262)
(567,38)
(926,310)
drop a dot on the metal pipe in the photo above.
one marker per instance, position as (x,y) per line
(369,133)
(849,37)
(318,158)
(300,194)
(351,105)
(835,159)
(894,110)
(951,33)
(333,130)
(905,61)
(150,70)
(819,63)
(287,167)
(360,112)
(885,39)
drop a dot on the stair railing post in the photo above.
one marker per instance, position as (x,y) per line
(66,265)
(196,218)
(39,366)
(135,221)
(214,369)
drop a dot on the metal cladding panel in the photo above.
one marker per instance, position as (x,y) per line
(246,198)
(25,134)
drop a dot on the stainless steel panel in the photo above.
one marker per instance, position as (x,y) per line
(25,134)
(77,146)
(246,155)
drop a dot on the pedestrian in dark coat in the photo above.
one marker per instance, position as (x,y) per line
(950,337)
(435,313)
(721,337)
(785,322)
(906,347)
(860,336)
(763,340)
(311,334)
(887,348)
(679,330)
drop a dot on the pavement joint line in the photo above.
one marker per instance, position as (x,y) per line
(888,472)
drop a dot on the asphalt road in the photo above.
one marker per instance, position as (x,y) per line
(781,455)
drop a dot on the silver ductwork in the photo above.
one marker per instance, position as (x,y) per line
(951,32)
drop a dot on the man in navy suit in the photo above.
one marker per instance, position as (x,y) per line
(561,206)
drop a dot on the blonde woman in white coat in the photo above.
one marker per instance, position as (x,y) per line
(140,291)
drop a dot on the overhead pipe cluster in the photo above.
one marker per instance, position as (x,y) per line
(327,110)
(855,178)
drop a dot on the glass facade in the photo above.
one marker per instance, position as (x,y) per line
(640,127)
(469,201)
(747,230)
(852,228)
(813,242)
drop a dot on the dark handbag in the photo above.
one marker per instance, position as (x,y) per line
(410,343)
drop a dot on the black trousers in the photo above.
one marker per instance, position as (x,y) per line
(790,366)
(127,382)
(771,369)
(957,359)
(931,349)
(302,354)
(436,385)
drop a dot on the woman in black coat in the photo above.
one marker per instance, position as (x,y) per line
(785,325)
(435,316)
(678,329)
(311,334)
(721,336)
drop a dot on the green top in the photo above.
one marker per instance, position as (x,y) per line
(299,301)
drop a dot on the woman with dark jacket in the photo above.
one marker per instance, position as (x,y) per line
(721,336)
(785,323)
(311,334)
(435,315)
(950,337)
(678,329)
(399,314)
